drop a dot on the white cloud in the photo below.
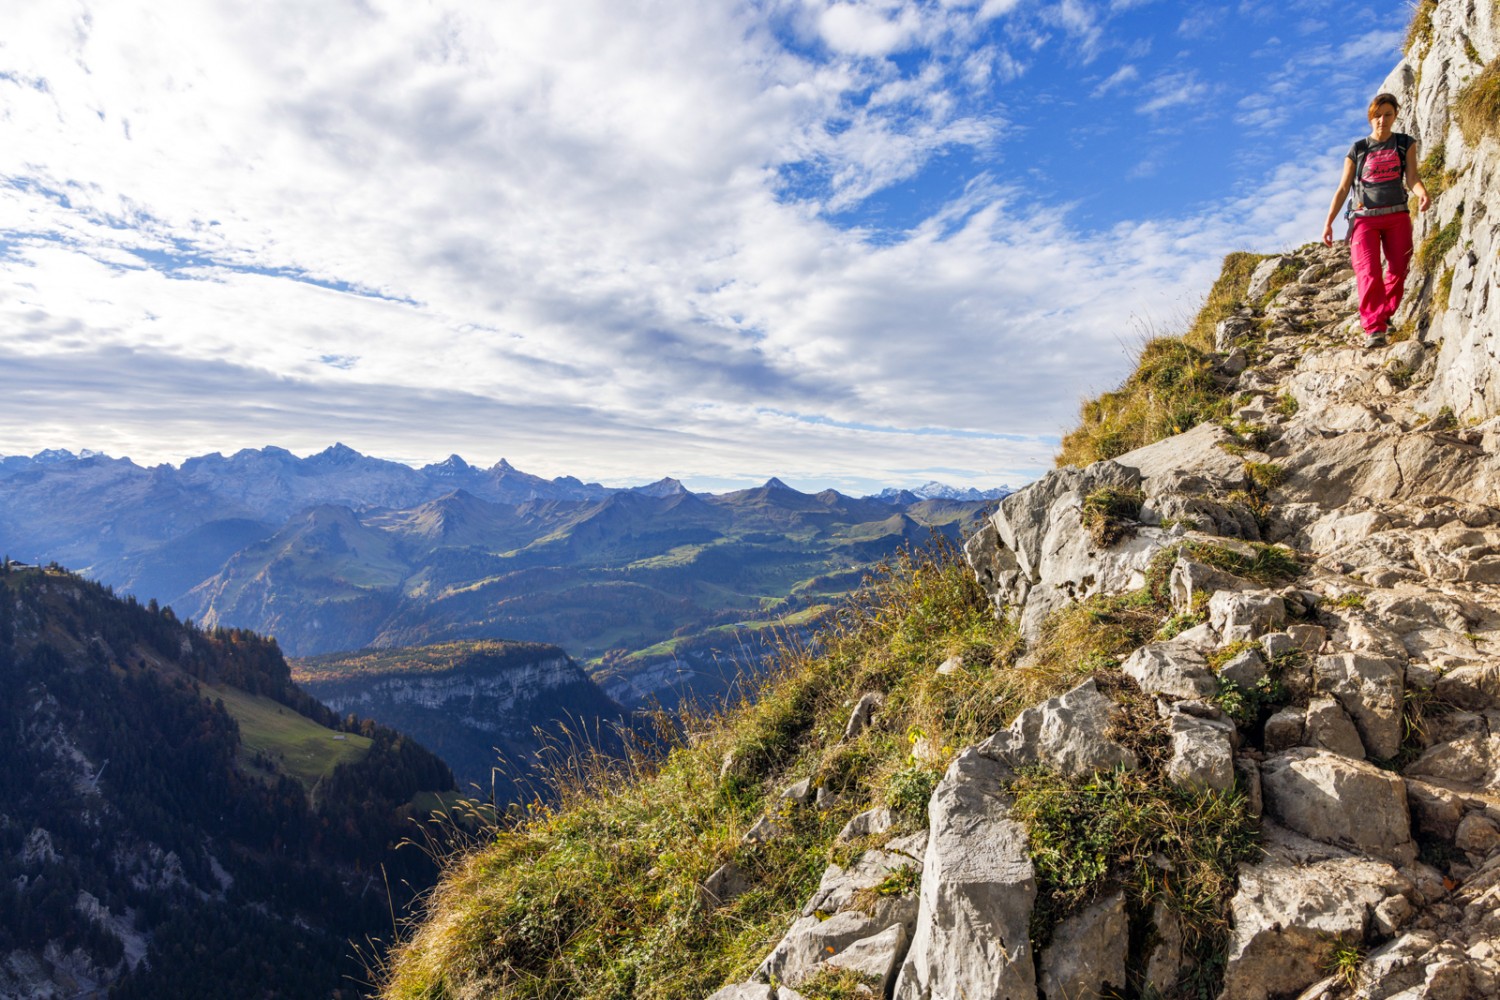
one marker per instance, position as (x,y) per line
(559,232)
(864,29)
(1125,74)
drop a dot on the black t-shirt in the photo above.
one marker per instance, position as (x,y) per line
(1380,182)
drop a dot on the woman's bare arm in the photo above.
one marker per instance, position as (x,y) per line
(1345,183)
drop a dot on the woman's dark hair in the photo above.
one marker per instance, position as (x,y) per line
(1383,99)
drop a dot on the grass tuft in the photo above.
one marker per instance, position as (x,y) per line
(1269,565)
(1110,515)
(1420,29)
(1437,244)
(1477,107)
(1172,388)
(839,984)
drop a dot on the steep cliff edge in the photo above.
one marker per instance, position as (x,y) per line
(1221,718)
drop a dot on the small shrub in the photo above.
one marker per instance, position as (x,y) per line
(1256,437)
(1352,600)
(839,984)
(1420,29)
(1436,246)
(1286,404)
(1110,514)
(1477,107)
(910,790)
(1266,475)
(1246,705)
(1445,288)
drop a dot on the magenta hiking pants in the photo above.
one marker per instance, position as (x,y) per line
(1380,288)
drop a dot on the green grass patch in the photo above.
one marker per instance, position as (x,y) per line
(1110,515)
(1434,171)
(1477,107)
(1133,829)
(1270,565)
(839,984)
(1437,244)
(1445,287)
(1265,475)
(1172,388)
(293,744)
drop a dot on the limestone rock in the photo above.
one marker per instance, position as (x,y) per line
(1245,668)
(1328,727)
(1339,801)
(1202,752)
(1292,907)
(1370,689)
(810,942)
(1477,835)
(1246,615)
(799,792)
(1283,730)
(746,991)
(973,935)
(876,956)
(1471,760)
(725,884)
(1260,279)
(1309,638)
(1436,811)
(1174,668)
(1088,951)
(1191,578)
(864,710)
(841,888)
(867,824)
(1067,733)
(1164,955)
(1473,687)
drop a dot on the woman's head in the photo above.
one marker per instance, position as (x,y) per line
(1380,103)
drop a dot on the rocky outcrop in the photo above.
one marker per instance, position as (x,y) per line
(1330,649)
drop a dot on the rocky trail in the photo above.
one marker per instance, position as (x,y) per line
(1376,777)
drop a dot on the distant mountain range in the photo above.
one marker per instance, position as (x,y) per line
(656,588)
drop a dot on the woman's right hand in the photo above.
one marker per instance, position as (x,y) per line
(1328,234)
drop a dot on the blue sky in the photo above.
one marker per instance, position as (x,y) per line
(844,243)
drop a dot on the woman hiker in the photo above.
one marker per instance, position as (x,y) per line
(1380,168)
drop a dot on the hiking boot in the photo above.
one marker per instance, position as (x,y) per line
(1375,338)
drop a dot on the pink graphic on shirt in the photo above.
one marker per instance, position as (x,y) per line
(1382,166)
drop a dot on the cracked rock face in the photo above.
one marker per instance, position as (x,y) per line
(973,934)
